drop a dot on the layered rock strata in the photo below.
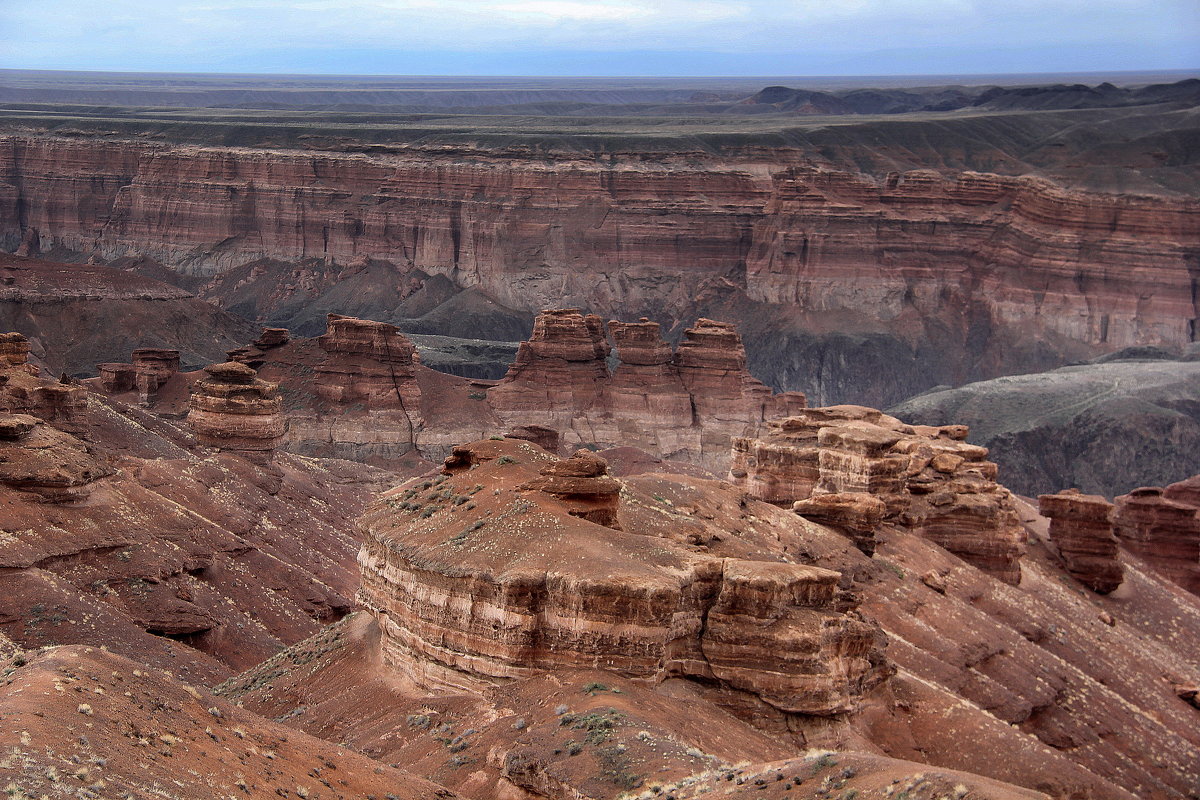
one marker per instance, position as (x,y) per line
(954,270)
(684,405)
(478,588)
(254,353)
(927,479)
(1163,531)
(232,409)
(368,362)
(1081,528)
(14,349)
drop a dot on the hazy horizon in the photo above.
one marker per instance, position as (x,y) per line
(607,38)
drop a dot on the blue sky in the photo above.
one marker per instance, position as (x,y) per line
(606,37)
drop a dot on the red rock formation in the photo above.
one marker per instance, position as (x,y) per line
(583,484)
(253,354)
(564,591)
(234,559)
(928,480)
(23,392)
(153,367)
(857,514)
(14,349)
(117,377)
(815,240)
(46,463)
(370,363)
(1081,527)
(683,407)
(559,373)
(231,409)
(1164,532)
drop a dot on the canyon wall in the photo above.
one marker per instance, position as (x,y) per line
(927,277)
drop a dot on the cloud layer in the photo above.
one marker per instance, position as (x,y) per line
(602,37)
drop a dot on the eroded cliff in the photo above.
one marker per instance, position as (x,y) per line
(931,278)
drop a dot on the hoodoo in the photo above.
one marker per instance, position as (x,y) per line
(232,409)
(1164,531)
(370,363)
(684,405)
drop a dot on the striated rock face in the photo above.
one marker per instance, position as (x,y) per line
(684,405)
(958,272)
(560,567)
(14,349)
(367,362)
(583,485)
(560,372)
(927,480)
(152,368)
(857,514)
(1081,527)
(231,409)
(1163,531)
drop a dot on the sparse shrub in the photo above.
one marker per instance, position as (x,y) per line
(520,724)
(477,396)
(506,460)
(594,687)
(418,721)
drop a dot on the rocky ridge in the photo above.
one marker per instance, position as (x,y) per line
(463,581)
(462,605)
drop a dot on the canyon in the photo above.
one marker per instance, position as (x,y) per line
(540,624)
(848,285)
(534,451)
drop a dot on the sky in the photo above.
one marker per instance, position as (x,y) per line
(604,37)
